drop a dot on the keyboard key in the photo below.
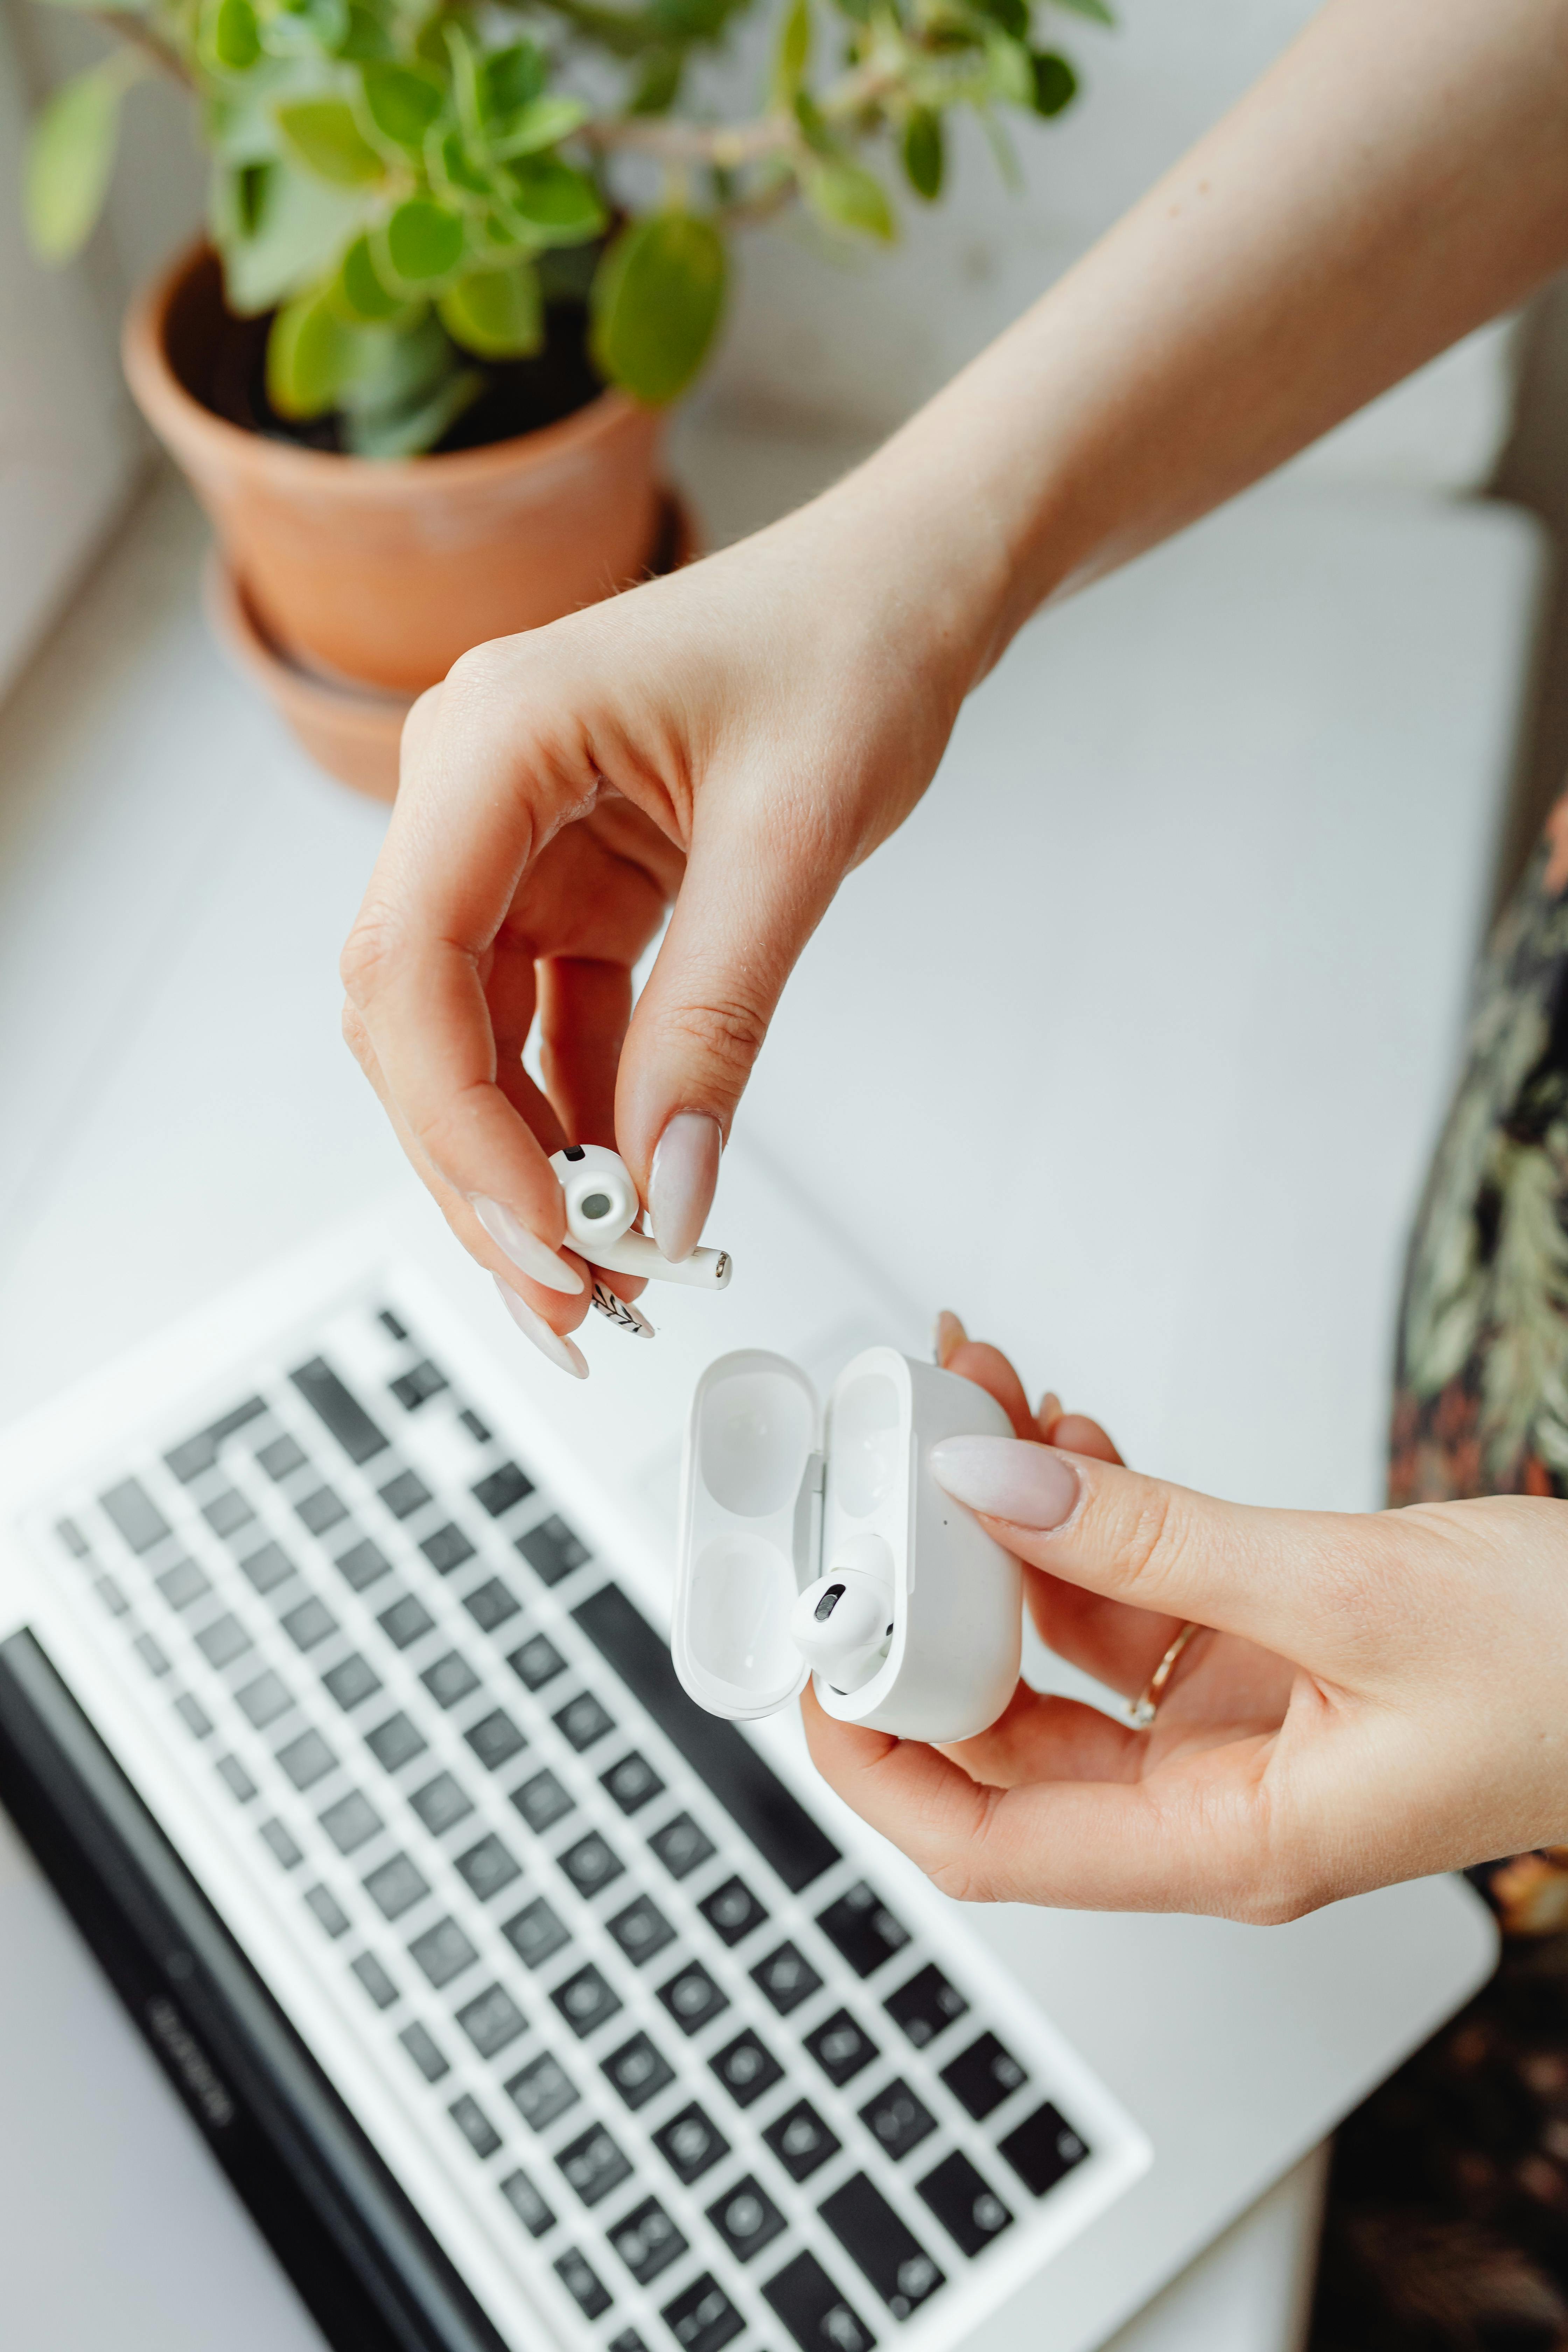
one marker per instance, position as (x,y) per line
(269,1567)
(814,2311)
(965,2203)
(310,1624)
(447,1549)
(227,1511)
(691,1997)
(352,1681)
(632,1783)
(110,1595)
(440,1803)
(364,1564)
(136,1515)
(639,2071)
(690,2145)
(542,1801)
(343,1413)
(375,1980)
(594,2165)
(840,2048)
(200,1453)
(801,2140)
(538,1661)
(321,1509)
(71,1535)
(681,1846)
(328,1910)
(542,2092)
(898,2119)
(232,1773)
(983,2076)
(265,1699)
(282,1458)
(449,1679)
(475,2124)
(648,2241)
(528,2204)
(583,2283)
(490,1604)
(183,1583)
(586,2001)
(551,1550)
(926,2006)
(491,2020)
(223,1641)
(591,1864)
(583,1720)
(702,2318)
(733,1911)
(641,1930)
(406,1621)
(443,1952)
(282,1844)
(150,1655)
(307,1759)
(405,1494)
(390,1324)
(536,1934)
(417,1387)
(864,1929)
(495,1739)
(747,2068)
(425,2052)
(487,1868)
(193,1716)
(502,1489)
(746,2218)
(474,1425)
(786,1978)
(395,1887)
(393,1742)
(1043,2148)
(889,2253)
(352,1822)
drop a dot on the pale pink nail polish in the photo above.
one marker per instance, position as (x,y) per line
(564,1354)
(681,1181)
(1007,1478)
(527,1252)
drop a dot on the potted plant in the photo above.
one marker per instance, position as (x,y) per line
(417,375)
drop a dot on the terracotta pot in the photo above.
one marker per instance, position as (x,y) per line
(384,572)
(355,732)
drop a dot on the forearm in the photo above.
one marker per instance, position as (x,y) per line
(1399,176)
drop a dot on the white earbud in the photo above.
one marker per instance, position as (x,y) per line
(842,1624)
(602,1205)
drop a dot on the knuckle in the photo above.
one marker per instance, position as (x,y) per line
(728,1034)
(1151,1543)
(356,1036)
(369,952)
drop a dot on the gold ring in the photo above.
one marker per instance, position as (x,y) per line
(1140,1714)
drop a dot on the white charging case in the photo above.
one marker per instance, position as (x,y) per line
(770,1502)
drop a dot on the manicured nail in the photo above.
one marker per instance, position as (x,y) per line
(948,1334)
(622,1313)
(681,1181)
(527,1252)
(1007,1478)
(563,1353)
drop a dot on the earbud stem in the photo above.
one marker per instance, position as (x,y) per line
(705,1269)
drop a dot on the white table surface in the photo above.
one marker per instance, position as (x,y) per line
(1173,961)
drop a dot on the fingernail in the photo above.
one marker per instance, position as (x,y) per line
(563,1353)
(622,1313)
(681,1181)
(1007,1478)
(1050,1412)
(948,1334)
(527,1252)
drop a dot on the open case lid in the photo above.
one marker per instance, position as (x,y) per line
(751,1516)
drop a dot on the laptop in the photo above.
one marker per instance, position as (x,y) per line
(520,2001)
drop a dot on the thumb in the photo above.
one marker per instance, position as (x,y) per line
(751,897)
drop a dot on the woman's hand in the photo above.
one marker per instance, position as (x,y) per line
(1380,1695)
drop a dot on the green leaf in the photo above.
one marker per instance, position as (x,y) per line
(402,103)
(924,157)
(541,124)
(423,241)
(508,80)
(230,39)
(364,36)
(658,85)
(360,294)
(280,231)
(813,124)
(311,355)
(497,314)
(561,205)
(793,54)
(1011,71)
(1056,84)
(451,162)
(395,365)
(656,302)
(70,157)
(845,195)
(410,428)
(327,140)
(1013,16)
(1095,10)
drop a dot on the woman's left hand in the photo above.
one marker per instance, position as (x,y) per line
(1374,1695)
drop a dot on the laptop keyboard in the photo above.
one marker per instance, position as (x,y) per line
(716,2089)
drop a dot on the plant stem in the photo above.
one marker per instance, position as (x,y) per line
(137,34)
(732,144)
